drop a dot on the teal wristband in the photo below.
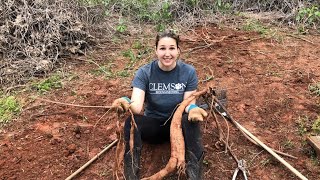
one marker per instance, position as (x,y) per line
(191,107)
(127,99)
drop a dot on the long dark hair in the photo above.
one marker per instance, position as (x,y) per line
(167,33)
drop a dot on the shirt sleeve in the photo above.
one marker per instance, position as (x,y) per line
(193,80)
(140,80)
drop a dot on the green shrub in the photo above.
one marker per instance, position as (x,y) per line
(53,82)
(304,125)
(222,7)
(314,88)
(316,126)
(308,17)
(106,71)
(254,25)
(9,107)
(308,126)
(121,27)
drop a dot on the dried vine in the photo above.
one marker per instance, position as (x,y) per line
(34,35)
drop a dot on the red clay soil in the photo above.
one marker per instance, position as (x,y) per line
(267,82)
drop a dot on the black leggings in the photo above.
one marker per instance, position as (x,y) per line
(157,131)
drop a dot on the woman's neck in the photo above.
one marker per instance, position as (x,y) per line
(167,68)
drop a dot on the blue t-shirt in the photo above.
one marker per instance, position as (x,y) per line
(164,89)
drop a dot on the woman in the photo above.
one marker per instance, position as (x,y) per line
(161,85)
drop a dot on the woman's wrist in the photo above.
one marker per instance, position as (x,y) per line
(191,106)
(127,99)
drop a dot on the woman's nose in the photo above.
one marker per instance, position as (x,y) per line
(167,53)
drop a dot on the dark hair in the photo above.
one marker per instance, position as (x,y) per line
(167,33)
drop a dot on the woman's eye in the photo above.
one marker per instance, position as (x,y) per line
(162,48)
(172,48)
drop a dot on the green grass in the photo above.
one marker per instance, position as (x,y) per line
(256,26)
(308,126)
(137,44)
(53,82)
(106,71)
(265,162)
(287,144)
(308,17)
(314,88)
(314,159)
(121,27)
(123,73)
(316,126)
(9,107)
(303,125)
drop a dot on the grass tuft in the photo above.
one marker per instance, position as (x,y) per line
(9,107)
(53,82)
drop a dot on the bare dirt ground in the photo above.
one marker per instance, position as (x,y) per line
(267,83)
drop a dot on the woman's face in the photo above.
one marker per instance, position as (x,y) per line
(167,52)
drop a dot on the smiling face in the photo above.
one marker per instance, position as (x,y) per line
(167,52)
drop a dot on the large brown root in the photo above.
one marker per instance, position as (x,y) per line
(177,159)
(119,152)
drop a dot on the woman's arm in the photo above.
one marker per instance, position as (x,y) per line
(137,99)
(186,95)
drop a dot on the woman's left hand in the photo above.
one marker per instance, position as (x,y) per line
(197,114)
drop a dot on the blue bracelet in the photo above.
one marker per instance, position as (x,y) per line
(191,107)
(127,99)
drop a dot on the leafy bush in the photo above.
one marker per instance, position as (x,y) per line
(314,88)
(308,17)
(308,126)
(35,35)
(316,126)
(163,13)
(254,25)
(9,106)
(53,82)
(121,27)
(221,6)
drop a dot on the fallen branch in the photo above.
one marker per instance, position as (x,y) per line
(292,169)
(91,160)
(301,38)
(248,134)
(75,105)
(245,135)
(250,40)
(213,42)
(177,159)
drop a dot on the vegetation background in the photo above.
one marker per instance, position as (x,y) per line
(39,38)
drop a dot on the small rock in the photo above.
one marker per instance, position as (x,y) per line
(72,148)
(48,135)
(87,131)
(66,152)
(30,158)
(77,130)
(55,141)
(220,63)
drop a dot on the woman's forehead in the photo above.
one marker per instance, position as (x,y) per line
(167,41)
